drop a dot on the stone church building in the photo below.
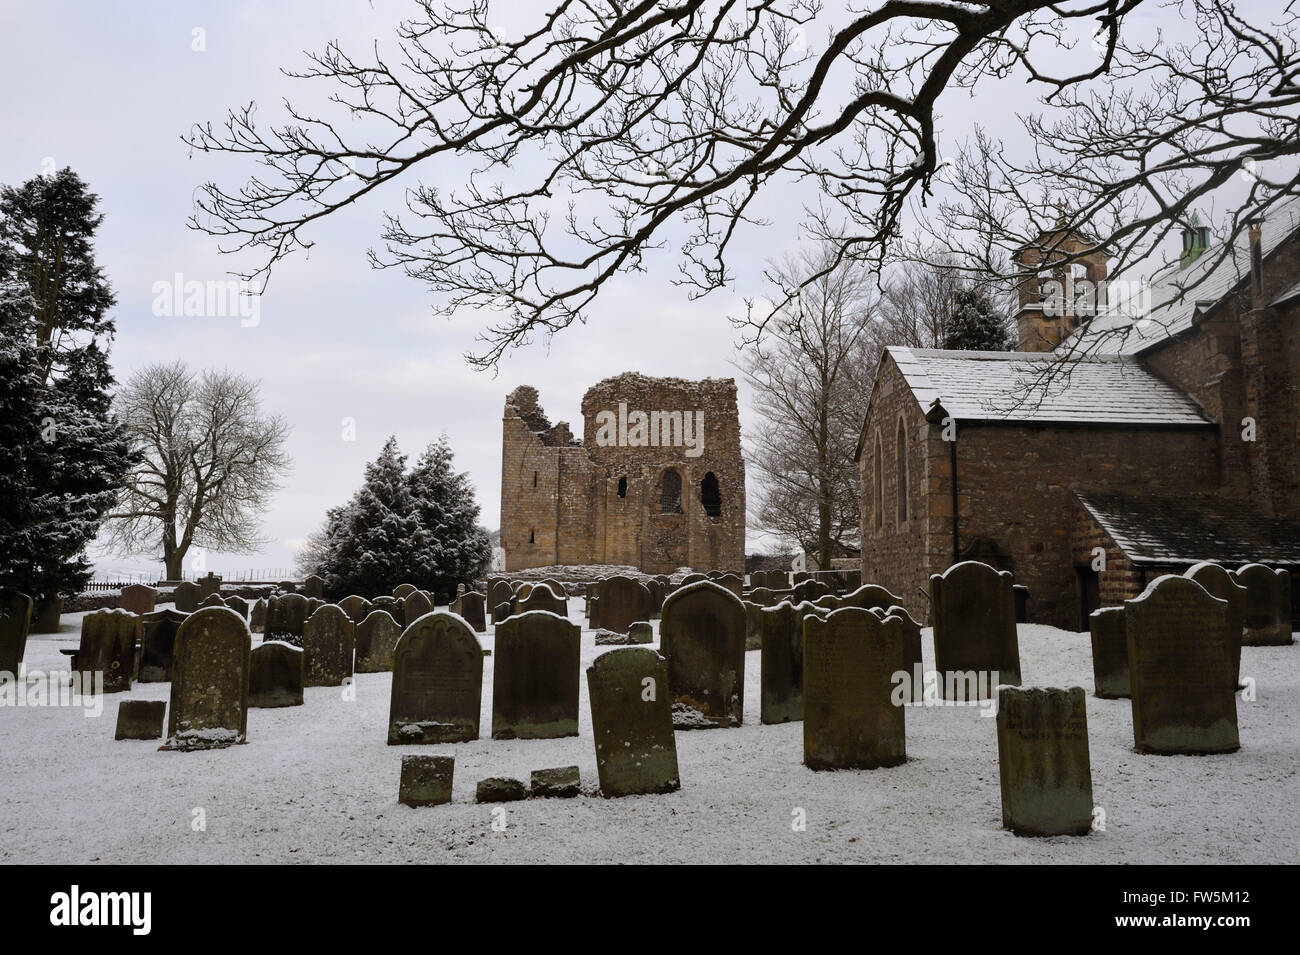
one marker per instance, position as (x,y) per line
(657,480)
(1160,433)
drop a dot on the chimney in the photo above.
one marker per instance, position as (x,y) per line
(1196,239)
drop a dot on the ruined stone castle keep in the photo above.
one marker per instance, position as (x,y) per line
(657,481)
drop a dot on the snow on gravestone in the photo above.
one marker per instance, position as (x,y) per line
(355,607)
(1109,653)
(781,657)
(1180,669)
(391,606)
(702,636)
(314,586)
(239,605)
(974,614)
(275,675)
(632,723)
(138,598)
(541,597)
(415,605)
(377,636)
(328,641)
(1268,606)
(209,701)
(623,602)
(108,647)
(1043,766)
(437,690)
(850,720)
(402,591)
(499,592)
(285,617)
(1219,582)
(185,596)
(15,622)
(470,606)
(535,677)
(212,600)
(208,585)
(157,642)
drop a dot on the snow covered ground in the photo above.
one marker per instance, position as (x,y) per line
(318,783)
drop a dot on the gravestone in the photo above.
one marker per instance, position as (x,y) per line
(108,647)
(911,640)
(377,637)
(185,597)
(593,612)
(470,606)
(391,606)
(314,604)
(287,587)
(733,582)
(328,642)
(15,622)
(314,586)
(500,789)
(157,643)
(849,717)
(1043,765)
(1109,653)
(426,780)
(623,601)
(535,677)
(1221,583)
(402,591)
(212,600)
(1180,669)
(540,597)
(563,782)
(1267,620)
(631,723)
(499,592)
(753,626)
(357,608)
(140,719)
(974,616)
(208,585)
(210,666)
(257,616)
(781,656)
(239,605)
(640,632)
(138,599)
(501,613)
(285,617)
(415,606)
(1020,594)
(275,675)
(556,587)
(702,636)
(47,616)
(437,689)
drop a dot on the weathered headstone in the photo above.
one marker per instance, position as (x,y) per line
(556,587)
(1109,653)
(535,677)
(426,780)
(157,643)
(753,626)
(499,592)
(1222,583)
(209,584)
(415,606)
(47,616)
(275,675)
(140,719)
(357,608)
(623,601)
(911,639)
(540,597)
(108,646)
(285,617)
(868,596)
(640,632)
(1180,669)
(185,596)
(632,724)
(470,606)
(212,600)
(257,616)
(501,613)
(500,789)
(239,605)
(209,701)
(286,587)
(1268,606)
(402,591)
(391,606)
(563,782)
(437,687)
(328,642)
(974,615)
(733,582)
(702,636)
(377,637)
(15,623)
(781,673)
(1043,764)
(849,718)
(138,598)
(314,586)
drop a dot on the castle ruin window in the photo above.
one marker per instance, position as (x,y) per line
(622,486)
(670,499)
(534,479)
(711,496)
(532,537)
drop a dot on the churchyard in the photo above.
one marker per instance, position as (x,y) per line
(813,760)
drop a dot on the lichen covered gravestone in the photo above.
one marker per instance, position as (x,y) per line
(377,637)
(355,607)
(437,686)
(1043,763)
(285,617)
(210,666)
(275,675)
(849,717)
(631,723)
(426,780)
(108,647)
(1109,653)
(185,597)
(1180,669)
(535,677)
(328,641)
(702,636)
(974,615)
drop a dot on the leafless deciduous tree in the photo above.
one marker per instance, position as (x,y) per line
(809,379)
(212,460)
(608,128)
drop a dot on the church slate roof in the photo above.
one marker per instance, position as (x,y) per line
(1042,388)
(1186,529)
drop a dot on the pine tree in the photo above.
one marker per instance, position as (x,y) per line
(68,454)
(453,548)
(975,324)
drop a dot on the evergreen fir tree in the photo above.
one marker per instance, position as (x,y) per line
(975,324)
(452,547)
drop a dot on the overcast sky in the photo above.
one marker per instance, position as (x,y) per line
(109,87)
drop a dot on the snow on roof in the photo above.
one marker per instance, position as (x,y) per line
(1187,529)
(1043,388)
(1143,314)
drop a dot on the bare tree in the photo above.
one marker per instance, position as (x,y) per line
(211,461)
(920,295)
(809,379)
(609,128)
